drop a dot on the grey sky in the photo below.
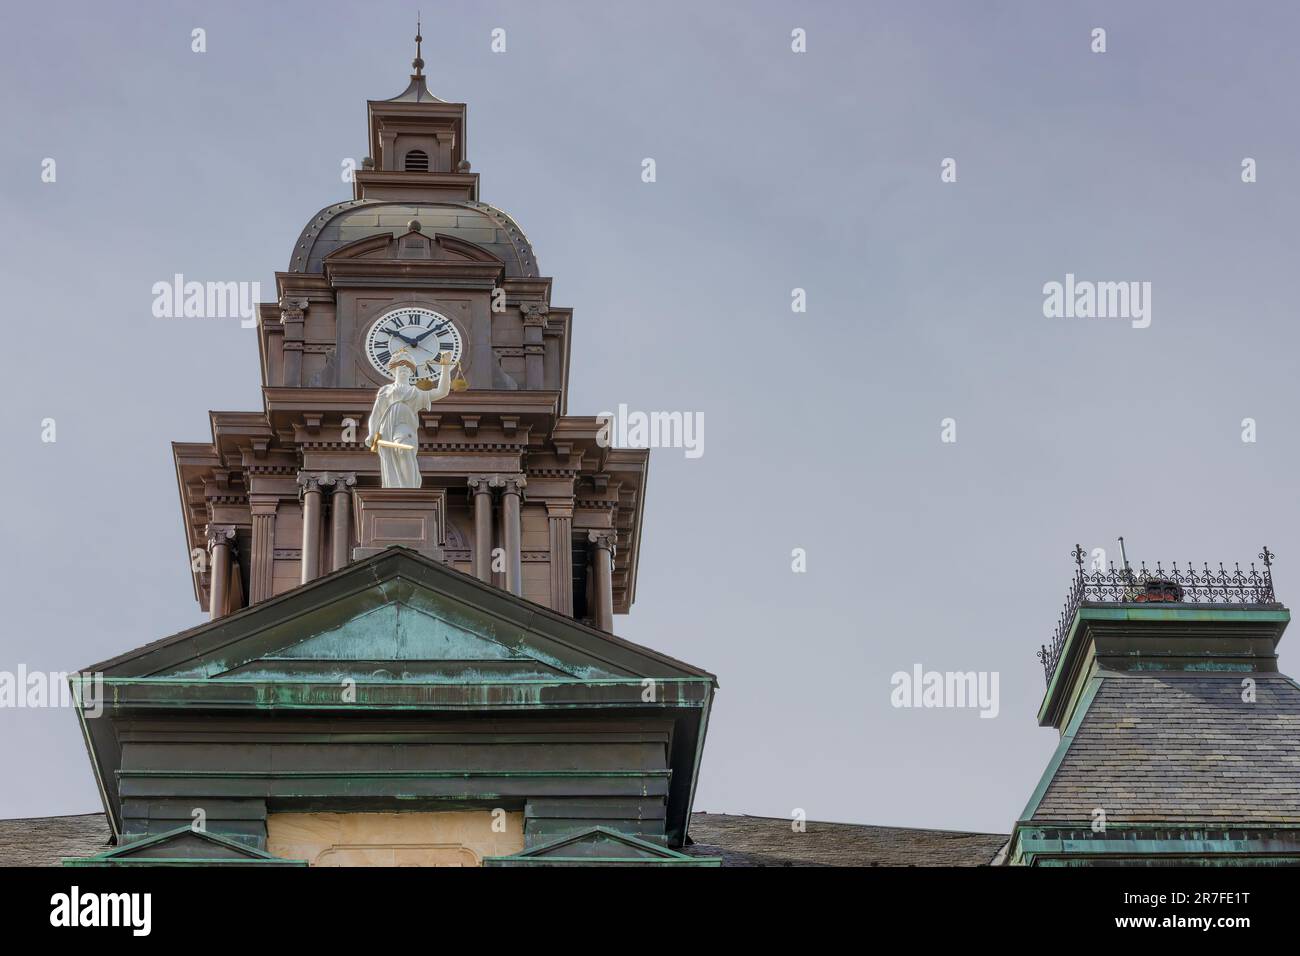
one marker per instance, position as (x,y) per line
(775,170)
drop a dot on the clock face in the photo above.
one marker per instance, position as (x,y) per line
(416,334)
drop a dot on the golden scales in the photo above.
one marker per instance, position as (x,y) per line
(458,381)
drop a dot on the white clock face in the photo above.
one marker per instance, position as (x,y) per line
(416,334)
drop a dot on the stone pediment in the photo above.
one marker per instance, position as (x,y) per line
(395,617)
(414,244)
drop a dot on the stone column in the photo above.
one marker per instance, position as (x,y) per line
(221,542)
(602,559)
(559,520)
(309,492)
(534,350)
(340,517)
(511,491)
(480,488)
(262,570)
(292,315)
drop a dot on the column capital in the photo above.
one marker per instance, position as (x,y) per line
(263,505)
(308,482)
(483,484)
(218,534)
(320,480)
(603,540)
(558,509)
(513,484)
(534,313)
(338,480)
(292,309)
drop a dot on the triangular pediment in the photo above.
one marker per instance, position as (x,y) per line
(413,244)
(182,845)
(597,845)
(418,638)
(397,616)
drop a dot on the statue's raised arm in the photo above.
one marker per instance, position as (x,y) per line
(436,391)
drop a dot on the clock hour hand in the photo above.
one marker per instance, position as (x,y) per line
(401,336)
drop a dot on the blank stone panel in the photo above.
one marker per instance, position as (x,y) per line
(535,532)
(537,582)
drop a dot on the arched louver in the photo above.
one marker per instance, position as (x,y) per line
(417,161)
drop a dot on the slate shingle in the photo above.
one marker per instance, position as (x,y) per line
(45,841)
(1182,749)
(770,841)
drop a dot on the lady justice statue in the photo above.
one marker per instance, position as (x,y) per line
(394,421)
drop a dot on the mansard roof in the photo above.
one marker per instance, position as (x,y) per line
(1180,748)
(482,224)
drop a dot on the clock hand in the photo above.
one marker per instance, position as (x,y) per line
(400,336)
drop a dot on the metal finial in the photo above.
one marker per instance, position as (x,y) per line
(418,62)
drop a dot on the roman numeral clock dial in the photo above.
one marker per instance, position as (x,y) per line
(415,334)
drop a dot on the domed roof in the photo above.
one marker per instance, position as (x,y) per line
(477,222)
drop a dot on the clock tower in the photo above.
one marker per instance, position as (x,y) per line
(516,491)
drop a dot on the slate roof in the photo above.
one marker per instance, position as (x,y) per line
(739,840)
(771,841)
(45,841)
(1182,749)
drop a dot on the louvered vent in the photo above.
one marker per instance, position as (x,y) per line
(417,161)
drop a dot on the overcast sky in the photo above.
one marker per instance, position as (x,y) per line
(775,171)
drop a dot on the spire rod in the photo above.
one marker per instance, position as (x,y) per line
(418,62)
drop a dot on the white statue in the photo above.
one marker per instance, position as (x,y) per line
(395,423)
